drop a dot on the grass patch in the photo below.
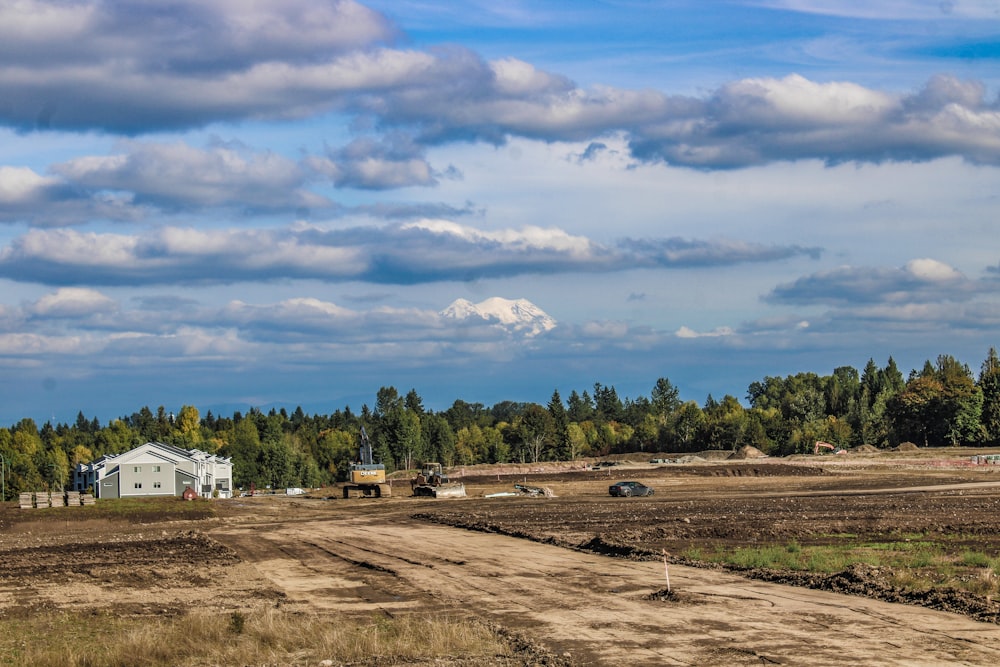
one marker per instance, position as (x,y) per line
(975,559)
(915,561)
(131,510)
(148,510)
(269,636)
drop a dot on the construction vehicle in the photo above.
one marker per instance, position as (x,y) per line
(367,477)
(431,481)
(827,445)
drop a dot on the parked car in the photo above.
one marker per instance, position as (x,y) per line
(629,489)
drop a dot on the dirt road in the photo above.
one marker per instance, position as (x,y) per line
(594,609)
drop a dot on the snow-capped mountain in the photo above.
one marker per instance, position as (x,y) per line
(515,315)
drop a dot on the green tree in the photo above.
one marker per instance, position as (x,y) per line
(576,442)
(843,390)
(462,415)
(579,408)
(559,436)
(535,430)
(334,451)
(685,428)
(989,385)
(188,426)
(607,406)
(665,400)
(245,449)
(939,405)
(441,443)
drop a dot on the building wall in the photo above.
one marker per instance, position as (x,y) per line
(108,487)
(182,480)
(146,476)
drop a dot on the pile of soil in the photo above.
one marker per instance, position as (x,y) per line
(748,452)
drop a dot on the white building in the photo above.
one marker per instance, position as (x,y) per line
(155,469)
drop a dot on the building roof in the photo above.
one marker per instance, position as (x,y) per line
(158,449)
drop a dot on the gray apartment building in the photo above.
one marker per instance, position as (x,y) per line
(156,469)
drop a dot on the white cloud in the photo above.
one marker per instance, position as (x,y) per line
(180,176)
(73,302)
(687,332)
(20,184)
(919,281)
(228,64)
(421,252)
(898,10)
(933,270)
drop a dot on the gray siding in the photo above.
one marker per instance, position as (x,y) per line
(109,486)
(184,479)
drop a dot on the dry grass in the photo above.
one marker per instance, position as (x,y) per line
(269,636)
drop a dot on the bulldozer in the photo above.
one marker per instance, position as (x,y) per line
(431,481)
(367,477)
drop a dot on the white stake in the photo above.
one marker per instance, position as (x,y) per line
(666,569)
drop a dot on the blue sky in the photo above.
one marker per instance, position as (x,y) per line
(236,204)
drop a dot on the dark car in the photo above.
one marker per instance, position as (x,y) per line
(629,489)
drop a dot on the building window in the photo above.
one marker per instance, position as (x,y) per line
(156,468)
(138,485)
(136,468)
(156,485)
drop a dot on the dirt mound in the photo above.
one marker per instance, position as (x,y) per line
(866,449)
(748,452)
(714,454)
(906,447)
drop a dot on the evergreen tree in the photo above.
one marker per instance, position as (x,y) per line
(579,408)
(892,379)
(560,425)
(414,403)
(665,399)
(989,385)
(608,407)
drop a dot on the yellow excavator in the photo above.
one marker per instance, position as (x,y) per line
(367,477)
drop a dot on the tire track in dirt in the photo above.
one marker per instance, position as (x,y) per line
(595,608)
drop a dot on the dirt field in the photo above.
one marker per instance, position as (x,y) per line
(580,574)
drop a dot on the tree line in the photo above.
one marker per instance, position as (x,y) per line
(942,404)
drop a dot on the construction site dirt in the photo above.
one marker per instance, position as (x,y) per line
(589,578)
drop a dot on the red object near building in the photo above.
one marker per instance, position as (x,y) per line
(189,493)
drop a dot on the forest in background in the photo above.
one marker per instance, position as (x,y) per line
(942,404)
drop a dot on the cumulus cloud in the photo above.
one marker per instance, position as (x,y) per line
(72,302)
(142,179)
(409,253)
(74,321)
(687,332)
(757,121)
(133,66)
(136,67)
(918,281)
(49,201)
(370,164)
(179,176)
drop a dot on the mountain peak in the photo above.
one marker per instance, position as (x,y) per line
(518,315)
